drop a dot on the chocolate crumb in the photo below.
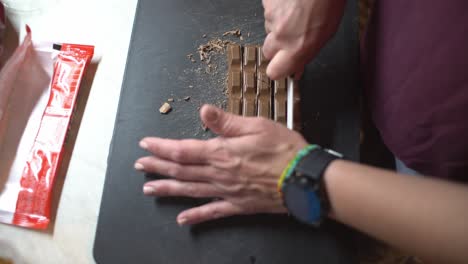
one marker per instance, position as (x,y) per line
(235,32)
(165,108)
(190,57)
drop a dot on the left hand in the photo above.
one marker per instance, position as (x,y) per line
(241,167)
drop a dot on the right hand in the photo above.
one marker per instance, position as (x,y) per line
(297,30)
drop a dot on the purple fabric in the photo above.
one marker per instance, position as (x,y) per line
(415,57)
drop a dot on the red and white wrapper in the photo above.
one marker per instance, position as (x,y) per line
(39,86)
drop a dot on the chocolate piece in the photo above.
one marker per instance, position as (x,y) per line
(280,96)
(235,92)
(235,32)
(249,81)
(263,86)
(234,80)
(250,59)
(165,108)
(250,94)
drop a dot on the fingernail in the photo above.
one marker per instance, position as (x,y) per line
(182,221)
(148,190)
(139,167)
(212,116)
(143,144)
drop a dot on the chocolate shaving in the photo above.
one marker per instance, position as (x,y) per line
(235,32)
(216,45)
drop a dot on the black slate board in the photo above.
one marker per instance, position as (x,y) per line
(137,229)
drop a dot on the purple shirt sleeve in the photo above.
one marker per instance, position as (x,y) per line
(415,57)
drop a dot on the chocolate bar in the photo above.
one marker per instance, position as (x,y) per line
(251,92)
(263,86)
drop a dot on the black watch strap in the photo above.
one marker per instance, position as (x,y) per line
(317,162)
(313,167)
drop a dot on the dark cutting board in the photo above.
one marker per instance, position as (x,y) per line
(133,228)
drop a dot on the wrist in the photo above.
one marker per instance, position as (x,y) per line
(302,185)
(331,178)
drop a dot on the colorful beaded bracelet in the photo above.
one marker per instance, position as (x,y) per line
(292,165)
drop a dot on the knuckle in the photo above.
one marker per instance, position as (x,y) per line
(263,123)
(215,213)
(178,154)
(175,171)
(302,44)
(268,14)
(164,190)
(228,125)
(192,190)
(236,189)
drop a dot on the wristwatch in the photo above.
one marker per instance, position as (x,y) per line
(304,192)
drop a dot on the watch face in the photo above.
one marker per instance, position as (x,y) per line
(303,204)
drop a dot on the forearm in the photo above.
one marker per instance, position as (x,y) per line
(424,216)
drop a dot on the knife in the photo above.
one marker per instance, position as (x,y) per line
(290,103)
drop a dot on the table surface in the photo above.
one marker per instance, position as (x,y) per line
(107,24)
(132,226)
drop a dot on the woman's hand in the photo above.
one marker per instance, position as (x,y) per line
(241,167)
(297,30)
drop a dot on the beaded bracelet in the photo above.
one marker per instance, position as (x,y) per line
(292,165)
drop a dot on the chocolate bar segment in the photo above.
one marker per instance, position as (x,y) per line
(263,87)
(235,92)
(234,80)
(280,99)
(249,80)
(264,96)
(250,94)
(250,59)
(234,57)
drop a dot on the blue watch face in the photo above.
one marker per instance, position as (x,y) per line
(303,204)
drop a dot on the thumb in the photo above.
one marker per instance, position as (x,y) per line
(224,124)
(282,65)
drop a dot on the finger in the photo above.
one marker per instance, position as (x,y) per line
(207,212)
(226,124)
(270,46)
(168,188)
(187,151)
(298,74)
(175,170)
(282,65)
(268,27)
